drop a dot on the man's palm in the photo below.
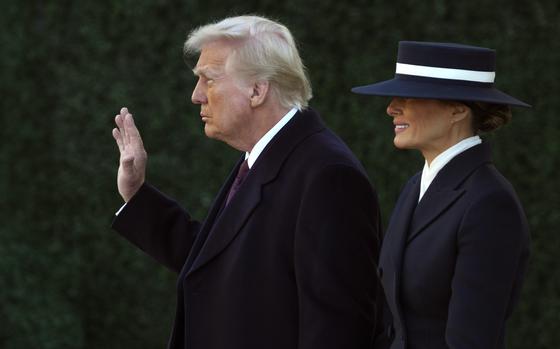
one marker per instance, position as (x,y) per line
(133,156)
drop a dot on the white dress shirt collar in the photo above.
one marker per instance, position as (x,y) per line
(252,156)
(430,172)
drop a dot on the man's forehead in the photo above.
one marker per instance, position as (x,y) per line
(212,60)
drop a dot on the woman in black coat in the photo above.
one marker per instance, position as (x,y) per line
(455,251)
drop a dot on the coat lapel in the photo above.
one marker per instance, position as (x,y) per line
(211,219)
(446,189)
(230,222)
(430,207)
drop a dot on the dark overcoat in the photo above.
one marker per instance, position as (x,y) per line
(452,265)
(290,262)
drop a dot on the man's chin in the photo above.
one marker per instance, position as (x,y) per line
(211,133)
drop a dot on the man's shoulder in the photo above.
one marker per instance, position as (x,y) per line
(308,145)
(323,149)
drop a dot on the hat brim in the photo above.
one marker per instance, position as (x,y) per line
(430,90)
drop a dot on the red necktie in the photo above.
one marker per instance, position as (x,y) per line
(241,174)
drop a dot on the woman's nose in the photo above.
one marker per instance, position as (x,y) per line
(395,107)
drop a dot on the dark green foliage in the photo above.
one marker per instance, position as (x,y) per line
(68,281)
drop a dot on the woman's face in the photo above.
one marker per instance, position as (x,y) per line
(424,124)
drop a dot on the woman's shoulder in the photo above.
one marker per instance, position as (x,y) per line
(487,181)
(490,198)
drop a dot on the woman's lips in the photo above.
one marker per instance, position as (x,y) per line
(400,127)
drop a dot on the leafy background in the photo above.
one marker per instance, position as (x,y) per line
(68,281)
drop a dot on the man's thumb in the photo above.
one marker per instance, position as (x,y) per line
(127,163)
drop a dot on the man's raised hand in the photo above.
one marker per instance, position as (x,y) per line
(133,156)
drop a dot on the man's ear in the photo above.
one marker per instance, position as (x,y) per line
(259,93)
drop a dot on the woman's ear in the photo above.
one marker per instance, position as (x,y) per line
(259,93)
(459,112)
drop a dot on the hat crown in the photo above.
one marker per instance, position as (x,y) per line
(447,55)
(445,71)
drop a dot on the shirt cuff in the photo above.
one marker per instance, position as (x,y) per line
(120,209)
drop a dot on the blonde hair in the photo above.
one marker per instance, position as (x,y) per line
(267,52)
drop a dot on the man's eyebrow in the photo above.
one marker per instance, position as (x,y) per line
(198,71)
(204,71)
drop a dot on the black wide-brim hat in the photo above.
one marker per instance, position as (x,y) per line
(446,71)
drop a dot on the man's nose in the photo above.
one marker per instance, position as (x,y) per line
(199,94)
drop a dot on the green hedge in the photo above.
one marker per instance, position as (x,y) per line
(68,281)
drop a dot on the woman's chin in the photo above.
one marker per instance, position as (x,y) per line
(400,144)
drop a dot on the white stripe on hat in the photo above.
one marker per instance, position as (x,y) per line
(446,73)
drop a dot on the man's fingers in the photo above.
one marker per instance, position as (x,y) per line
(119,120)
(124,132)
(118,137)
(132,133)
(128,127)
